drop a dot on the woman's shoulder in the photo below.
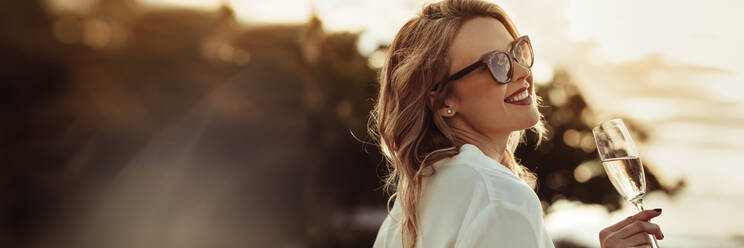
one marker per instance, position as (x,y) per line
(471,173)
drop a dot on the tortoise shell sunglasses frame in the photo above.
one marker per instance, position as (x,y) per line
(499,62)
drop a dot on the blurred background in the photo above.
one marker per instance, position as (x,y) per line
(208,123)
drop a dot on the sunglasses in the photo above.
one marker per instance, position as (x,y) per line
(499,62)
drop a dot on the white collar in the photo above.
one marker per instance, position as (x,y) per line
(471,151)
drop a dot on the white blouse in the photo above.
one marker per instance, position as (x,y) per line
(472,201)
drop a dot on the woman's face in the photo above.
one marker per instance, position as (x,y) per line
(478,100)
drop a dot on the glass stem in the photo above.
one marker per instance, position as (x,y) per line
(639,205)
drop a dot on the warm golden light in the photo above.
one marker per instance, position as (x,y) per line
(672,67)
(97,33)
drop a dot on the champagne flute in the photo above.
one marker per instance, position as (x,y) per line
(622,162)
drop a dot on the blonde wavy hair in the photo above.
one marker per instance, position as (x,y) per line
(411,136)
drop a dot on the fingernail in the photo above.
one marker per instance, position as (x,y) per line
(658,210)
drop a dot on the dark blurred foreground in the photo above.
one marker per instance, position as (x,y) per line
(134,127)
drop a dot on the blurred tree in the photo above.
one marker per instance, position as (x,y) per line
(31,77)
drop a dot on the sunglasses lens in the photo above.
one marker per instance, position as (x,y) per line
(523,53)
(500,67)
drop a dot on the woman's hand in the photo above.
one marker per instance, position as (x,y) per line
(632,231)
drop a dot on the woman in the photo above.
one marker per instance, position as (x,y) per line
(456,95)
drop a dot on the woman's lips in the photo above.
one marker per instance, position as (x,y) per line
(516,93)
(526,101)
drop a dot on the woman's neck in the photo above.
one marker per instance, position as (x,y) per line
(492,145)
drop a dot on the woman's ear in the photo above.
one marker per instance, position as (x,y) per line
(447,110)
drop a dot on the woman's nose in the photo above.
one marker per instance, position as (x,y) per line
(520,72)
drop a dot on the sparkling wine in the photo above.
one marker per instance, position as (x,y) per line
(626,174)
(622,163)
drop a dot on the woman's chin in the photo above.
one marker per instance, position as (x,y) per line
(531,120)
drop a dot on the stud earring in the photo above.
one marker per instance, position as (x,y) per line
(449,111)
